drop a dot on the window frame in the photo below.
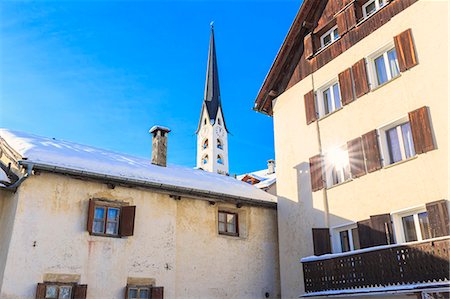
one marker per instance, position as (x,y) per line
(341,175)
(399,229)
(138,287)
(59,285)
(236,223)
(377,7)
(107,206)
(332,37)
(372,67)
(320,99)
(386,150)
(336,237)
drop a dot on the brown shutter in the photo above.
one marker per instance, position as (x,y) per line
(346,19)
(157,292)
(364,233)
(371,151)
(126,225)
(40,291)
(308,46)
(346,86)
(421,130)
(316,171)
(310,107)
(127,291)
(360,78)
(406,53)
(80,291)
(381,233)
(356,157)
(438,218)
(341,23)
(90,219)
(321,241)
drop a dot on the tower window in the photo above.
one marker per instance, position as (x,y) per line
(204,122)
(219,159)
(205,144)
(219,144)
(219,122)
(205,159)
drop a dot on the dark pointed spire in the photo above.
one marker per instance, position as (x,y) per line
(212,91)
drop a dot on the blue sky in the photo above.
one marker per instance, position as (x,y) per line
(103,72)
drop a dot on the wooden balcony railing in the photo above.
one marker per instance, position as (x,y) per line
(418,262)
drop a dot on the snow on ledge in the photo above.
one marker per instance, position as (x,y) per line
(315,258)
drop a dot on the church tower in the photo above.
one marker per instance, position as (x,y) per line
(212,133)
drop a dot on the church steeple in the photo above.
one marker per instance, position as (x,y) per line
(212,143)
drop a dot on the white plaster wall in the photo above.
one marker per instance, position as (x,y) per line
(417,181)
(50,236)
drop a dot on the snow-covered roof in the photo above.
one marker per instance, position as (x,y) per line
(265,178)
(3,178)
(42,152)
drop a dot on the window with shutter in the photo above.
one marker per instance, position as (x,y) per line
(127,221)
(381,230)
(316,171)
(365,233)
(356,157)
(438,218)
(346,86)
(321,241)
(40,291)
(406,53)
(310,108)
(396,141)
(80,291)
(61,290)
(371,151)
(421,130)
(360,78)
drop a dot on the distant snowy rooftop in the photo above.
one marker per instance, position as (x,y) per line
(265,178)
(68,155)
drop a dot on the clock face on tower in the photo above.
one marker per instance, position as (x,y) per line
(220,131)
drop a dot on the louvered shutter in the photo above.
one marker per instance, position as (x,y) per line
(381,230)
(364,233)
(421,130)
(157,292)
(316,171)
(438,218)
(308,46)
(40,291)
(360,78)
(371,151)
(80,291)
(321,241)
(126,225)
(90,218)
(406,54)
(346,86)
(356,157)
(310,107)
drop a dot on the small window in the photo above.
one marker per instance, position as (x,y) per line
(219,144)
(372,6)
(219,122)
(106,220)
(329,37)
(228,223)
(110,219)
(219,159)
(346,239)
(139,292)
(60,290)
(416,227)
(205,159)
(205,144)
(328,98)
(383,67)
(337,166)
(397,143)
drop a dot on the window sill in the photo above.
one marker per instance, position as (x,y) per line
(364,19)
(385,83)
(331,113)
(340,184)
(400,162)
(105,235)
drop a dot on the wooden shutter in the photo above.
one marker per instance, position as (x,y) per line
(356,157)
(316,171)
(321,241)
(126,225)
(381,233)
(365,233)
(40,291)
(157,292)
(310,107)
(308,46)
(346,86)
(90,219)
(80,291)
(438,218)
(346,19)
(421,130)
(406,54)
(371,151)
(360,78)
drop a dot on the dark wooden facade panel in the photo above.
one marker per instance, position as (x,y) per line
(438,218)
(321,241)
(360,80)
(371,151)
(316,171)
(346,86)
(356,157)
(406,54)
(421,130)
(310,107)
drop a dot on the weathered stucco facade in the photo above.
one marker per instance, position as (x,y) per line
(175,243)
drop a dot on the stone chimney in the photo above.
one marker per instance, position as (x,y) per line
(159,145)
(270,166)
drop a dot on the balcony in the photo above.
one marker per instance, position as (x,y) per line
(425,262)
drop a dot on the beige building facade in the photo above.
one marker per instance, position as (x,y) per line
(367,94)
